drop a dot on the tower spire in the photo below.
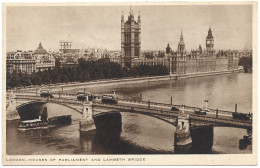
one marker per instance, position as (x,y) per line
(122,17)
(181,39)
(209,33)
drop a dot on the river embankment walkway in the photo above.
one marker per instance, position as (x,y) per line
(106,82)
(144,79)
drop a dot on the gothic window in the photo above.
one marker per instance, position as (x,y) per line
(136,37)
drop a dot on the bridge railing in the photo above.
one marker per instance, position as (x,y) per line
(169,115)
(37,98)
(191,108)
(221,121)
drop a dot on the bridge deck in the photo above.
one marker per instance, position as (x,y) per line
(158,110)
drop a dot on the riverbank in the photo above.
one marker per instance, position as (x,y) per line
(107,82)
(140,80)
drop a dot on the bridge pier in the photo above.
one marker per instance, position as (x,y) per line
(87,124)
(11,112)
(12,102)
(182,136)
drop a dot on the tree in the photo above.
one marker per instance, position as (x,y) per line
(84,71)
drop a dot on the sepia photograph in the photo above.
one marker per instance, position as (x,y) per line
(137,83)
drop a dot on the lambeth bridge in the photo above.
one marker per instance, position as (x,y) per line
(161,111)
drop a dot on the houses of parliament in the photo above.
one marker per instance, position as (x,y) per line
(179,61)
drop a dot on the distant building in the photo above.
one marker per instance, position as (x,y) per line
(130,39)
(44,60)
(182,62)
(22,61)
(210,43)
(65,46)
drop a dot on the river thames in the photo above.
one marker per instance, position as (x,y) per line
(142,134)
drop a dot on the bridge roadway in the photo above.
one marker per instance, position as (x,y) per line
(159,110)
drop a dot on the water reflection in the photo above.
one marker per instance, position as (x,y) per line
(141,134)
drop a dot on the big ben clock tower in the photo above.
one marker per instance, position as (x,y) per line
(210,43)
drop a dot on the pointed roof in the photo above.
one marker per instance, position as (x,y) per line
(209,34)
(181,38)
(40,50)
(181,42)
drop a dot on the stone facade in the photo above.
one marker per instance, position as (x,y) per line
(29,61)
(44,60)
(21,61)
(183,62)
(130,39)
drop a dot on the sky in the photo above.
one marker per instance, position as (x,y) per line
(100,26)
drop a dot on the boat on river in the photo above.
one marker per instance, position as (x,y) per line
(42,121)
(33,124)
(44,124)
(62,120)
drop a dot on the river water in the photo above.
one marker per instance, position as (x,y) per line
(142,134)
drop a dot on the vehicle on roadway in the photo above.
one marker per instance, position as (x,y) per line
(82,96)
(202,111)
(242,116)
(109,99)
(46,93)
(175,108)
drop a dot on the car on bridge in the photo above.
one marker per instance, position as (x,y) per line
(109,99)
(175,108)
(242,116)
(82,96)
(46,93)
(202,111)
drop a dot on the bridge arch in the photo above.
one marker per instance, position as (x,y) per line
(31,109)
(62,104)
(66,105)
(28,103)
(173,123)
(218,125)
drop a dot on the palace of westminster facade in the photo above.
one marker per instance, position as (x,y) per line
(179,61)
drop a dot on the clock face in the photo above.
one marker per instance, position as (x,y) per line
(208,42)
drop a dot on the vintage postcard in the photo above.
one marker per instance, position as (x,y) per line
(136,83)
